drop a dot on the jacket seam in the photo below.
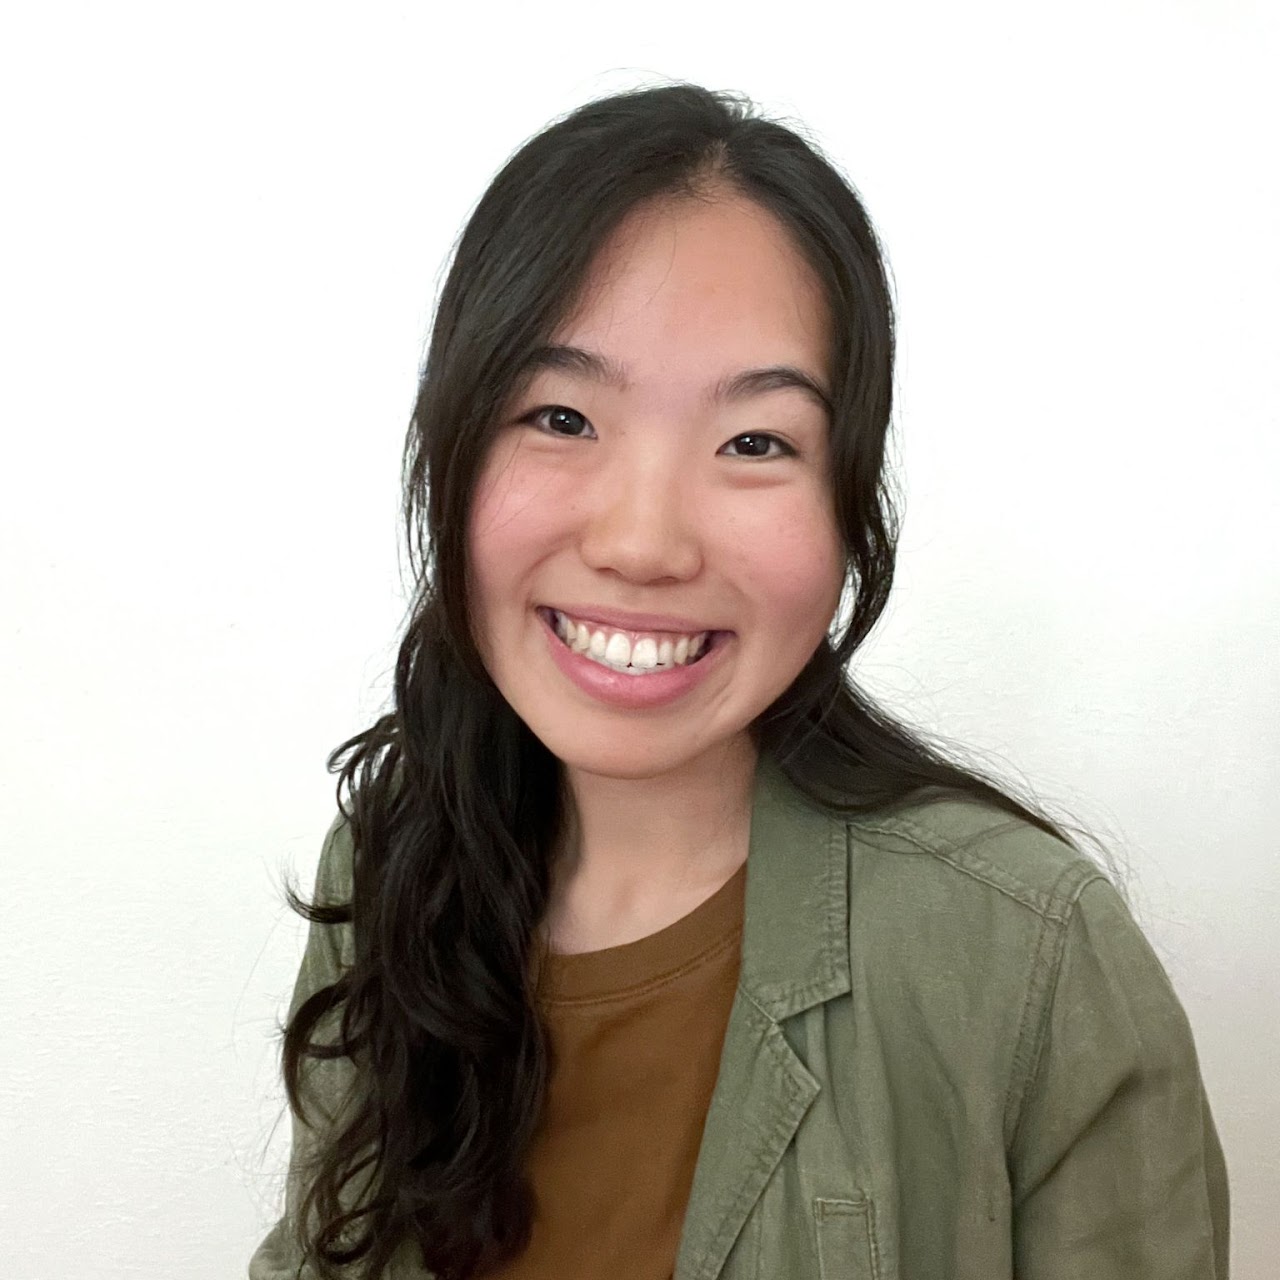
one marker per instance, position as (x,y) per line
(1037,1005)
(760,1009)
(1044,905)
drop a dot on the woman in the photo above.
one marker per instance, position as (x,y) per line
(648,945)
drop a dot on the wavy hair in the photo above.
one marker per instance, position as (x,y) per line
(454,804)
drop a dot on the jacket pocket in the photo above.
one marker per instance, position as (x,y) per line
(847,1247)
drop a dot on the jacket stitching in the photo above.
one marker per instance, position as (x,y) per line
(1042,983)
(862,1206)
(979,868)
(759,1008)
(740,1202)
(834,947)
(836,923)
(873,1238)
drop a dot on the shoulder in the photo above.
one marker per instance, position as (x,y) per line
(959,904)
(330,948)
(335,870)
(965,886)
(973,850)
(976,930)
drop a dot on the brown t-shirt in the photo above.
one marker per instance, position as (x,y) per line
(636,1033)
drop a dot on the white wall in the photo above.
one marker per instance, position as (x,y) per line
(223,231)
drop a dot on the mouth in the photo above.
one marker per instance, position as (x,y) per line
(636,653)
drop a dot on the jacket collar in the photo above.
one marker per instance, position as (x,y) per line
(795,954)
(795,942)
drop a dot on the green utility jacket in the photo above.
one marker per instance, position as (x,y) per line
(952,1056)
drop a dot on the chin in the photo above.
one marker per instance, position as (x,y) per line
(625,762)
(630,756)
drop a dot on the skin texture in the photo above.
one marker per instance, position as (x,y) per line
(648,499)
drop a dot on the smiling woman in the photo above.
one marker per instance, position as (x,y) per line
(648,944)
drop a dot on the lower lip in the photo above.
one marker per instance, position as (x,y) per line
(632,692)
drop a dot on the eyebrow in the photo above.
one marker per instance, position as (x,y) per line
(734,387)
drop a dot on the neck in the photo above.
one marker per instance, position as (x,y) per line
(628,841)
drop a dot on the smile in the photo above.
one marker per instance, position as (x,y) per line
(635,652)
(633,686)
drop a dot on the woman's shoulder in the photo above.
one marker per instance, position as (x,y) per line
(963,887)
(336,866)
(331,946)
(967,917)
(972,848)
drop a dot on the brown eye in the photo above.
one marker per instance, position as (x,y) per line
(756,444)
(559,420)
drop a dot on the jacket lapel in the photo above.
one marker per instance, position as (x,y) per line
(795,954)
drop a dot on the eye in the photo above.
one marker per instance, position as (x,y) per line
(560,421)
(756,445)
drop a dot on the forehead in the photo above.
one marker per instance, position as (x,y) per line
(699,288)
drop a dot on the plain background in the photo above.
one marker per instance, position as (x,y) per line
(224,228)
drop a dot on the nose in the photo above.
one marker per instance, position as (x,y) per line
(639,523)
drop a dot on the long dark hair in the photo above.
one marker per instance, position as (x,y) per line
(453,802)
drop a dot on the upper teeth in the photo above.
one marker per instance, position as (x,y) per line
(636,650)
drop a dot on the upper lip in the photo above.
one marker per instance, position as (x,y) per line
(627,620)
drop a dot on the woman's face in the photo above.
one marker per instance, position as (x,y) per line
(636,498)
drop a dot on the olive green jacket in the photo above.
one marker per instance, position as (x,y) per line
(952,1056)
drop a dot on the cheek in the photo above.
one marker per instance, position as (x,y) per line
(492,538)
(796,569)
(515,520)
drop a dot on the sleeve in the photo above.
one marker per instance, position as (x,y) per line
(328,953)
(1117,1172)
